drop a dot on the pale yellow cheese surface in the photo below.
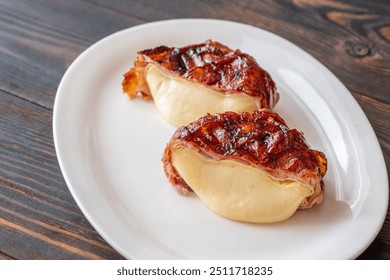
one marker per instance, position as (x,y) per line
(182,102)
(237,191)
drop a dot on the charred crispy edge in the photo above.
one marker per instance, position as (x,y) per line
(322,162)
(130,83)
(134,80)
(157,50)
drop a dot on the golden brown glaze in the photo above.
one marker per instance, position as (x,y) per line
(211,64)
(261,139)
(134,80)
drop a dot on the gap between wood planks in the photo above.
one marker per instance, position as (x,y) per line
(25,99)
(6,256)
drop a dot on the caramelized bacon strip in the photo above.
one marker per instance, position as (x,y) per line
(261,139)
(211,64)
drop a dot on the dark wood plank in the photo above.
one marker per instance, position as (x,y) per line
(38,217)
(4,256)
(51,33)
(40,39)
(378,114)
(351,39)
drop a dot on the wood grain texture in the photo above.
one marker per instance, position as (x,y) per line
(38,217)
(39,39)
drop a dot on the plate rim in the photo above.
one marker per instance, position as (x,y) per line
(59,96)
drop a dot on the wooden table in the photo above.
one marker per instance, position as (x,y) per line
(38,41)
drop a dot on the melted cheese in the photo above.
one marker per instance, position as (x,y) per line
(182,102)
(238,191)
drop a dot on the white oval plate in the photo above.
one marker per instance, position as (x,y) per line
(109,149)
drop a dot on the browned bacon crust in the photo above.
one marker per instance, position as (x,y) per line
(211,64)
(261,139)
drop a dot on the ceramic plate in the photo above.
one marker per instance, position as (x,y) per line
(109,149)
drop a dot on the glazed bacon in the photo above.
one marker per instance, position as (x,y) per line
(211,64)
(261,139)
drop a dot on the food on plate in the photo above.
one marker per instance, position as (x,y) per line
(186,83)
(248,167)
